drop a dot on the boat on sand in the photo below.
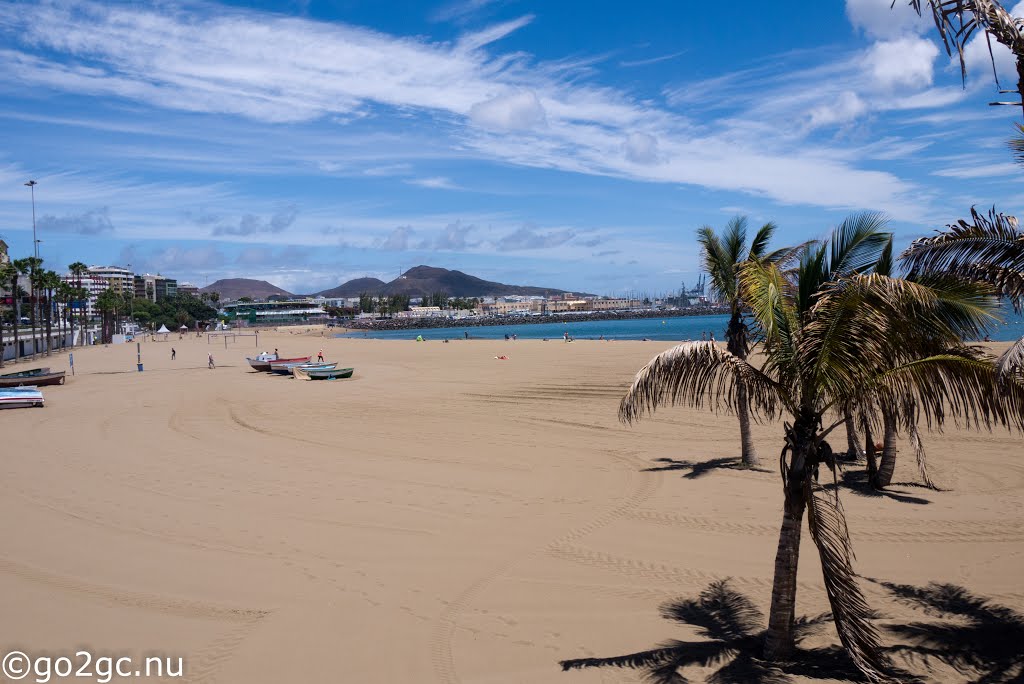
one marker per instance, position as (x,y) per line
(302,373)
(30,373)
(286,369)
(20,397)
(37,380)
(277,363)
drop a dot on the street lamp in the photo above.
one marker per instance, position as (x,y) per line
(35,243)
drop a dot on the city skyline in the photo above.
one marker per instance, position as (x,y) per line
(577,146)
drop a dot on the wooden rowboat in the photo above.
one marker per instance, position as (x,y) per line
(287,368)
(20,397)
(280,363)
(34,380)
(301,373)
(31,373)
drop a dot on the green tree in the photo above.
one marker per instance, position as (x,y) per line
(722,256)
(7,275)
(78,270)
(834,336)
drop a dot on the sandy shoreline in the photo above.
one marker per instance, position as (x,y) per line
(443,516)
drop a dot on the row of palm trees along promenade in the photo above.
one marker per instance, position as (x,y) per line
(42,311)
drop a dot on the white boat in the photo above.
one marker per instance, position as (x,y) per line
(20,397)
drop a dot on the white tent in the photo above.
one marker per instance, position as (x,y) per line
(163,329)
(184,327)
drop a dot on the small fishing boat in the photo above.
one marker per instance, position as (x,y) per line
(262,362)
(321,373)
(31,373)
(283,362)
(34,380)
(20,397)
(286,369)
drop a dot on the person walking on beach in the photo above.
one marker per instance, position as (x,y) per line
(320,356)
(565,336)
(173,353)
(466,333)
(209,363)
(712,337)
(703,336)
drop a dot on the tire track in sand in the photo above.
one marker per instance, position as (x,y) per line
(644,485)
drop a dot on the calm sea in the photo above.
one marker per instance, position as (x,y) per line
(668,329)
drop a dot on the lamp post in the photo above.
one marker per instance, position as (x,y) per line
(35,243)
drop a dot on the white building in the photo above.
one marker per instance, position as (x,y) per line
(119,279)
(92,284)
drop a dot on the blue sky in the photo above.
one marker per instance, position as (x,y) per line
(564,144)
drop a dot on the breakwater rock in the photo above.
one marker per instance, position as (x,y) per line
(481,321)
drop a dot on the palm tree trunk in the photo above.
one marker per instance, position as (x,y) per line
(49,322)
(1,339)
(869,454)
(852,445)
(779,639)
(748,450)
(17,319)
(888,464)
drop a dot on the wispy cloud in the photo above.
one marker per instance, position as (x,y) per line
(434,183)
(651,60)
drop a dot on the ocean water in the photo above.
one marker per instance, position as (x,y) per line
(668,329)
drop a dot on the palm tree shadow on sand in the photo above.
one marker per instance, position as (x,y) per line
(733,642)
(975,637)
(700,468)
(969,632)
(856,481)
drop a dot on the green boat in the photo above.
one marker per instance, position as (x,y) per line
(321,373)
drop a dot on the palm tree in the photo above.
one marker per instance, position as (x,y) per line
(722,256)
(49,282)
(33,279)
(65,294)
(79,269)
(21,267)
(7,274)
(834,336)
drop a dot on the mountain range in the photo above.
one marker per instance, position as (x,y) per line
(418,281)
(231,289)
(425,280)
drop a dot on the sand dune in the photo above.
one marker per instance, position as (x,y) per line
(442,516)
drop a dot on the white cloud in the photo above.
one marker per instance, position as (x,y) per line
(884,19)
(434,183)
(641,148)
(845,108)
(903,62)
(979,62)
(397,240)
(515,111)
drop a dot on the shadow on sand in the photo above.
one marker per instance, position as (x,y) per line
(700,468)
(980,640)
(857,482)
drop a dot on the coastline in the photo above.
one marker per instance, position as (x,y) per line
(490,321)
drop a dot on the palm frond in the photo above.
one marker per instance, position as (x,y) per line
(852,615)
(1016,144)
(922,459)
(769,294)
(962,384)
(858,243)
(719,612)
(695,374)
(761,239)
(1011,362)
(989,248)
(863,323)
(718,263)
(884,265)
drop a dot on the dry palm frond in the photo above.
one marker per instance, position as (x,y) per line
(852,615)
(696,373)
(958,20)
(962,385)
(1011,362)
(922,458)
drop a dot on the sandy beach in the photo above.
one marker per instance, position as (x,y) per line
(443,516)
